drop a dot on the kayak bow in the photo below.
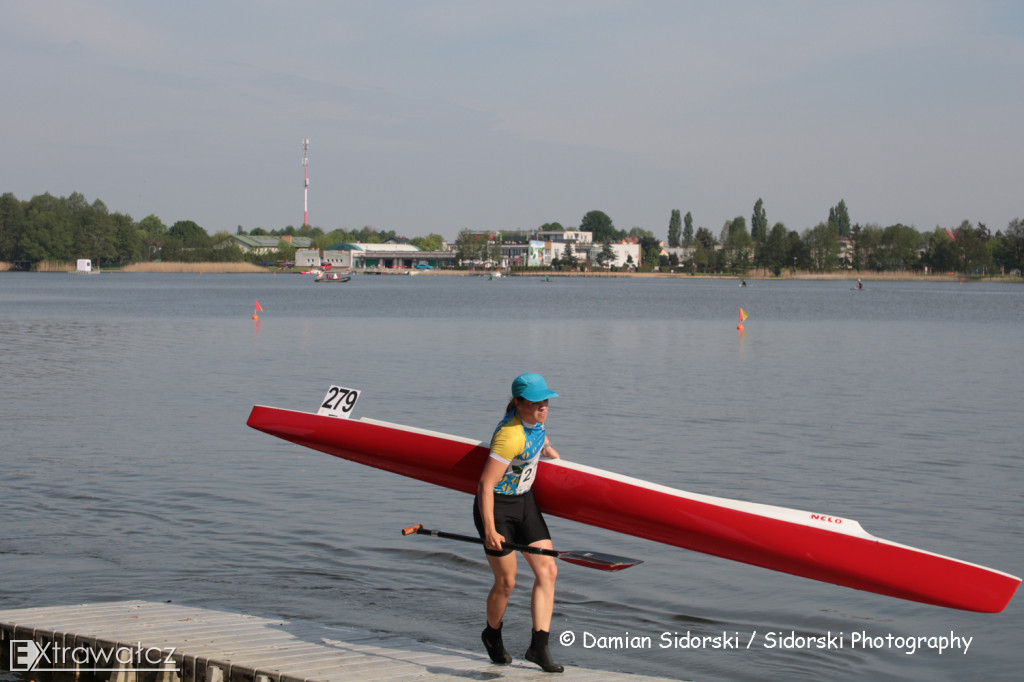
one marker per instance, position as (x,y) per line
(818,546)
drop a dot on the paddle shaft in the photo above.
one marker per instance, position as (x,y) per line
(420,530)
(602,562)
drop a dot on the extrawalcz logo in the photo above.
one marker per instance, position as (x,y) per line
(27,655)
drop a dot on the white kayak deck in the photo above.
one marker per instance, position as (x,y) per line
(220,646)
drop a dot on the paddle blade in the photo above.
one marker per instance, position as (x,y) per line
(602,562)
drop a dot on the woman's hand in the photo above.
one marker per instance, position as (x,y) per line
(548,451)
(494,540)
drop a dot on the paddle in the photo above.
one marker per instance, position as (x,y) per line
(602,562)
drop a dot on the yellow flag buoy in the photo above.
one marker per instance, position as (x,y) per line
(743,317)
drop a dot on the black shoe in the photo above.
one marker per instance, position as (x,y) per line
(495,648)
(538,653)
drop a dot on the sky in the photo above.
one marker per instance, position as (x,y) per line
(434,117)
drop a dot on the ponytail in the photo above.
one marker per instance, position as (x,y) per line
(511,405)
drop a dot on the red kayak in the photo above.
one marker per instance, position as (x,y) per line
(819,546)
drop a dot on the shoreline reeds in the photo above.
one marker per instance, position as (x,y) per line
(208,267)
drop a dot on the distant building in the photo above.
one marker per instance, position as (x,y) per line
(575,236)
(259,244)
(397,254)
(543,247)
(307,258)
(846,252)
(625,254)
(683,253)
(263,244)
(298,242)
(336,258)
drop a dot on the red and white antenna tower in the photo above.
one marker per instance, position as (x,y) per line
(305,172)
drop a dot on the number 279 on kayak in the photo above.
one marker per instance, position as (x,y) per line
(339,402)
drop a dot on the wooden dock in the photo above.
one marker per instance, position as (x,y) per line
(133,641)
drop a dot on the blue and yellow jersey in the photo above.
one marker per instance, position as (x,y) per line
(520,446)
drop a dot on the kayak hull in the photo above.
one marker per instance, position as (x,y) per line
(812,545)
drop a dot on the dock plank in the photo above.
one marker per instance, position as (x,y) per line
(285,650)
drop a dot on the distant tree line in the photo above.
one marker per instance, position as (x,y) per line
(63,229)
(836,244)
(48,228)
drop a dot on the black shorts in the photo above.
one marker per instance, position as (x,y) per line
(517,517)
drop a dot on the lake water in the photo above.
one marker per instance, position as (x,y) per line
(127,471)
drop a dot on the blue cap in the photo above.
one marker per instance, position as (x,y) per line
(532,387)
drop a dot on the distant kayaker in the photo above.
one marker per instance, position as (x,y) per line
(504,510)
(860,285)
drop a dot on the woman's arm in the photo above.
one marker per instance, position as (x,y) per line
(492,473)
(548,451)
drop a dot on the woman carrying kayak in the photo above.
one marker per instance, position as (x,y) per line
(504,510)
